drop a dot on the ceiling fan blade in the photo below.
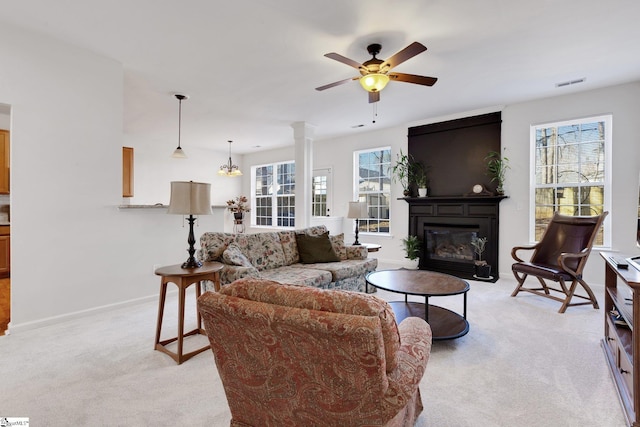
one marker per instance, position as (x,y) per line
(338,83)
(344,60)
(374,97)
(412,78)
(407,53)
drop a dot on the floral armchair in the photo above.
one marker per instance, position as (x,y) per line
(293,355)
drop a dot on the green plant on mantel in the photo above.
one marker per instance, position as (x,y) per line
(497,166)
(412,247)
(419,172)
(402,171)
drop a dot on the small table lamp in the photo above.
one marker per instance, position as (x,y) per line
(190,198)
(357,210)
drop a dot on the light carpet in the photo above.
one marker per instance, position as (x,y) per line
(521,364)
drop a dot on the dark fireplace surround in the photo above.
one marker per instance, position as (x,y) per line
(446,226)
(452,214)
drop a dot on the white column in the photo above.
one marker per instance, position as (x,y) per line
(303,134)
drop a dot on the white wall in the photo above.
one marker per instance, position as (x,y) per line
(72,250)
(623,102)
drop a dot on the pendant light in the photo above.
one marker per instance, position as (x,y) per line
(229,169)
(178,152)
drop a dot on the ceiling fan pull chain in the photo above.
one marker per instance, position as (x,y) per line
(375,112)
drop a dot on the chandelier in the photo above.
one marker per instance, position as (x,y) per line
(229,169)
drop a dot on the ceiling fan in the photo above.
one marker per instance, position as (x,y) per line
(375,73)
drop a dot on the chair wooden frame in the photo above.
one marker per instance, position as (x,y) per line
(560,256)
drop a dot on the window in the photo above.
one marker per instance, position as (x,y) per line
(274,194)
(373,185)
(571,171)
(321,192)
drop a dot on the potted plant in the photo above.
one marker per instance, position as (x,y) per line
(483,269)
(496,169)
(419,175)
(412,247)
(238,206)
(403,171)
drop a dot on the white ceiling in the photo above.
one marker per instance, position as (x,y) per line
(250,67)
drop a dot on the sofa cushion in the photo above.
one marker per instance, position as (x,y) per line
(213,245)
(315,249)
(343,269)
(337,241)
(264,250)
(299,276)
(289,245)
(234,256)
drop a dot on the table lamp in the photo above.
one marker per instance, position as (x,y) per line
(190,198)
(357,210)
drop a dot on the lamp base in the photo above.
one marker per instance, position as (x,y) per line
(191,263)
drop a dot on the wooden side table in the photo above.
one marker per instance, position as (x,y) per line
(183,278)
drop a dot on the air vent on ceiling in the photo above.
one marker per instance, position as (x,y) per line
(571,82)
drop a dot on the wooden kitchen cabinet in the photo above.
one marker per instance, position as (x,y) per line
(5,252)
(127,172)
(4,162)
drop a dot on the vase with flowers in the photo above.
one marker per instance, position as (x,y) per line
(238,206)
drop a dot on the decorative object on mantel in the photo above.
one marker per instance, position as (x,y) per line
(178,152)
(496,169)
(229,169)
(419,172)
(412,247)
(483,269)
(357,210)
(479,190)
(402,171)
(190,198)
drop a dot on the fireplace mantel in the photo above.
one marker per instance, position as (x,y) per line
(446,199)
(479,214)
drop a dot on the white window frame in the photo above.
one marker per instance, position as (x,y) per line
(608,133)
(356,187)
(274,196)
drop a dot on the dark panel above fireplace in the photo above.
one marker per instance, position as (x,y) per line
(455,150)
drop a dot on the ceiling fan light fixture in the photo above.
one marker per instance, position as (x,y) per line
(374,82)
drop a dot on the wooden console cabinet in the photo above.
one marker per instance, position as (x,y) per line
(621,343)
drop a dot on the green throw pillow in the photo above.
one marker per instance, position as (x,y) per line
(314,249)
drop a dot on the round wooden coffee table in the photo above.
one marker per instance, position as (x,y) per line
(445,324)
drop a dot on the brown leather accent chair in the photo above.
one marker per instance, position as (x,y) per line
(292,355)
(560,256)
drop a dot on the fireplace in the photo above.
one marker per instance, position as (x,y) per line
(446,226)
(449,243)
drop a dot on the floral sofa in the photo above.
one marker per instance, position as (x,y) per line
(275,256)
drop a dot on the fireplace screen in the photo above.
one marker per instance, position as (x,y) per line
(450,244)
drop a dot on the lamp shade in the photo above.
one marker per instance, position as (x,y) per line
(374,82)
(190,198)
(357,210)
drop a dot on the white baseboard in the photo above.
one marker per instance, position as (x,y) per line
(79,314)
